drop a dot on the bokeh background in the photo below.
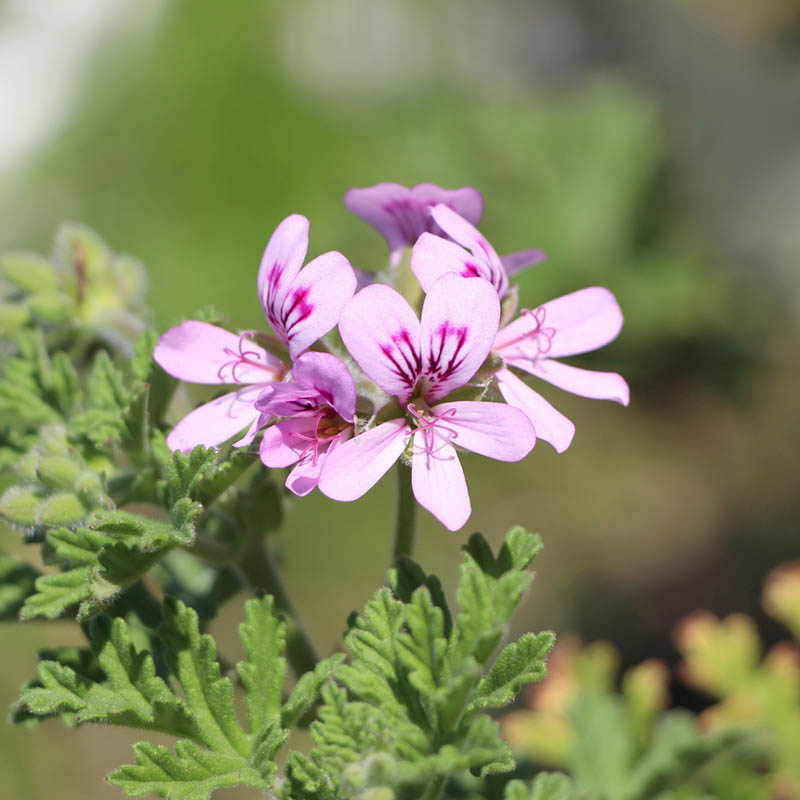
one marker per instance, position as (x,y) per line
(653,148)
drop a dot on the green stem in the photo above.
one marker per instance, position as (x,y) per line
(406,518)
(257,564)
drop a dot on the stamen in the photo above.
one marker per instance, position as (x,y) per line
(430,425)
(251,358)
(539,336)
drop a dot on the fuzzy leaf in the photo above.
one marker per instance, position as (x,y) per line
(190,773)
(56,593)
(305,692)
(519,663)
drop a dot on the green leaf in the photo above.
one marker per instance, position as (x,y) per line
(306,690)
(28,272)
(56,593)
(519,663)
(190,773)
(192,659)
(263,673)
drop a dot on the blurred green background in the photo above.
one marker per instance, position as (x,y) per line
(650,148)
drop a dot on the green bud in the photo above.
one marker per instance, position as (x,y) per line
(52,307)
(90,488)
(27,466)
(13,318)
(18,505)
(59,472)
(63,508)
(29,272)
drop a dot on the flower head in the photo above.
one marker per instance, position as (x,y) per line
(420,362)
(319,407)
(301,305)
(576,323)
(401,214)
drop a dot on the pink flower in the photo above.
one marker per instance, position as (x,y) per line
(319,405)
(434,256)
(576,323)
(301,305)
(401,214)
(421,361)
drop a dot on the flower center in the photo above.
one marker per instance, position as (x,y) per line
(328,425)
(537,339)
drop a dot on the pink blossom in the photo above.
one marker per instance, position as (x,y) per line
(301,305)
(576,323)
(434,256)
(401,214)
(319,407)
(420,362)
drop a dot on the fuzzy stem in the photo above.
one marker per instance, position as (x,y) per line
(434,789)
(406,518)
(261,572)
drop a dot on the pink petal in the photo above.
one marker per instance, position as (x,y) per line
(258,423)
(354,467)
(283,444)
(381,331)
(466,201)
(584,382)
(305,476)
(201,353)
(313,301)
(439,484)
(461,231)
(459,323)
(401,214)
(495,430)
(282,259)
(215,422)
(288,399)
(583,321)
(433,257)
(549,424)
(514,263)
(330,378)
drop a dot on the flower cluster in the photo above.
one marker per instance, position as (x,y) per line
(413,386)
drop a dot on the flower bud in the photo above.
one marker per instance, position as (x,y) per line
(63,508)
(19,504)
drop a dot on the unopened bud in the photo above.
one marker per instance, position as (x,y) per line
(18,505)
(58,472)
(29,272)
(63,508)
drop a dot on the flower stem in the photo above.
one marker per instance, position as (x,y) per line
(261,572)
(434,789)
(406,518)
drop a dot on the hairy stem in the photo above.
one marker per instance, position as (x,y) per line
(261,572)
(434,789)
(406,516)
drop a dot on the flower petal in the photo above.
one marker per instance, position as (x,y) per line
(354,467)
(439,484)
(330,377)
(584,382)
(381,331)
(312,303)
(305,476)
(433,257)
(201,353)
(548,423)
(401,214)
(467,235)
(215,422)
(495,430)
(583,321)
(283,444)
(459,323)
(282,259)
(514,263)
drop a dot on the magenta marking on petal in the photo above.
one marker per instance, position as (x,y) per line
(442,364)
(471,271)
(405,360)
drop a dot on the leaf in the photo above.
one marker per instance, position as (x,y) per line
(56,593)
(190,773)
(191,657)
(263,673)
(519,663)
(546,786)
(305,692)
